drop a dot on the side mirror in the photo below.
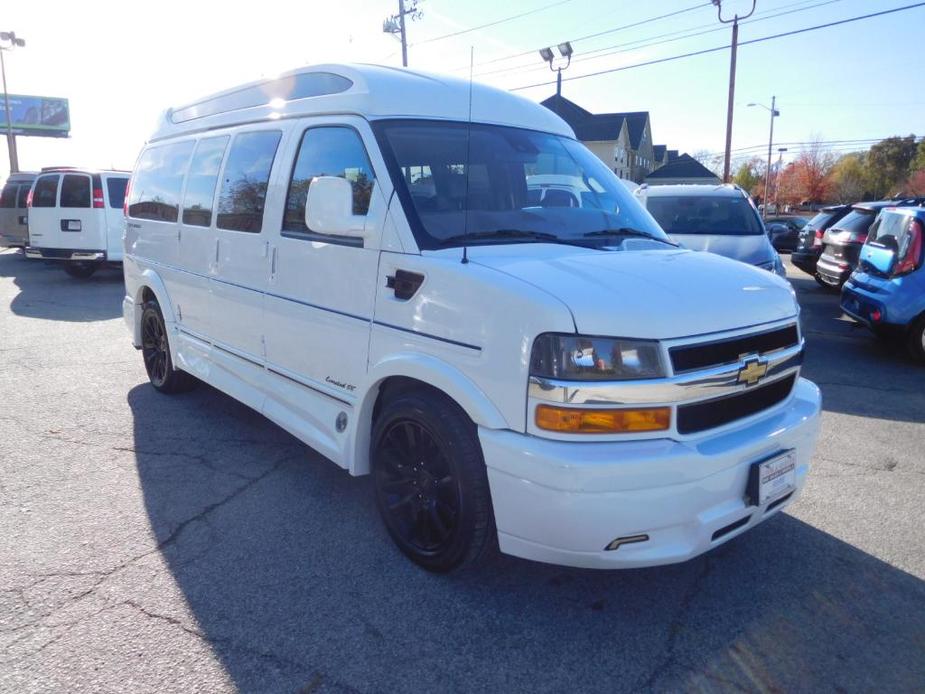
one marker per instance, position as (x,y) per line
(329,208)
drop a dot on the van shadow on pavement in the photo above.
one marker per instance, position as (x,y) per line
(47,292)
(294,583)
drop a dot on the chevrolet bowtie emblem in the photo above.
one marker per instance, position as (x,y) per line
(753,371)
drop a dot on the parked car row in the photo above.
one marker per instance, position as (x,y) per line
(68,215)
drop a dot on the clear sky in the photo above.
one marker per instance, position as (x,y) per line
(122,63)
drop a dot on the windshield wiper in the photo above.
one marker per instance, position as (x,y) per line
(627,231)
(502,234)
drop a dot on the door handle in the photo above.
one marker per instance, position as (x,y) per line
(405,284)
(216,251)
(273,263)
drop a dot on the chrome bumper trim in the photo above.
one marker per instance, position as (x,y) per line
(689,387)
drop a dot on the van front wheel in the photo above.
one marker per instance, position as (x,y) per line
(80,269)
(430,481)
(155,350)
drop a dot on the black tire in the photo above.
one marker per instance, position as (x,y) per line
(155,350)
(80,269)
(915,341)
(430,481)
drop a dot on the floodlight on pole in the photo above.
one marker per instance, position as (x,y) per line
(566,51)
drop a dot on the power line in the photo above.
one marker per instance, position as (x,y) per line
(806,144)
(723,48)
(583,38)
(491,24)
(640,43)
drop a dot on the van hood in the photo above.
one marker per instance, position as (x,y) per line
(656,294)
(749,248)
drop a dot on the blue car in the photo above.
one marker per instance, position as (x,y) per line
(886,292)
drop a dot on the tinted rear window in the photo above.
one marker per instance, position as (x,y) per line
(247,174)
(46,191)
(8,195)
(157,181)
(116,189)
(857,221)
(75,191)
(820,220)
(23,194)
(704,214)
(201,180)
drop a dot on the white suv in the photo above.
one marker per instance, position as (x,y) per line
(361,254)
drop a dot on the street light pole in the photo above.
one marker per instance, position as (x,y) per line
(767,180)
(10,137)
(780,163)
(732,79)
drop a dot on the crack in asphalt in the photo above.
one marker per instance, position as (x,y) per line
(103,576)
(666,659)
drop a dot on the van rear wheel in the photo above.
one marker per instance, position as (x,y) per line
(430,481)
(80,269)
(155,349)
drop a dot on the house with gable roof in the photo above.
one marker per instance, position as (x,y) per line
(623,141)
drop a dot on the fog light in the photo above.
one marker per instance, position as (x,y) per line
(573,420)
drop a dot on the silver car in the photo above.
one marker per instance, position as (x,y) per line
(718,218)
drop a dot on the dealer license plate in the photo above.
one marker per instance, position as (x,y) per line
(772,479)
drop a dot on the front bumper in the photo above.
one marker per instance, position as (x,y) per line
(563,502)
(73,254)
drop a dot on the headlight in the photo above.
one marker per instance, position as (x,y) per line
(582,358)
(776,266)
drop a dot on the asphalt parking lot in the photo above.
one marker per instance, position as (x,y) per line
(150,543)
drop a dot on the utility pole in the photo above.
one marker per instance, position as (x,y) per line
(732,78)
(10,137)
(767,181)
(396,25)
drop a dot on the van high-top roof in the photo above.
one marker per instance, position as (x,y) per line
(372,91)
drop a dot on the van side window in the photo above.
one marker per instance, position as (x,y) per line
(116,189)
(201,180)
(247,175)
(23,194)
(75,191)
(8,195)
(328,151)
(46,191)
(158,179)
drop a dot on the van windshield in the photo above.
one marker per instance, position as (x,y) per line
(483,184)
(722,215)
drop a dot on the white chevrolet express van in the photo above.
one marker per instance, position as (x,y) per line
(14,224)
(76,216)
(443,288)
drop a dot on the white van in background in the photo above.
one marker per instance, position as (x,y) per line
(14,223)
(76,216)
(373,259)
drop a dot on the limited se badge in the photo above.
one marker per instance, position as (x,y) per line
(753,371)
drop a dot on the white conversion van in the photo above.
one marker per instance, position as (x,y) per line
(360,254)
(14,223)
(76,216)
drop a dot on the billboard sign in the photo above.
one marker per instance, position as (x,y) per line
(42,116)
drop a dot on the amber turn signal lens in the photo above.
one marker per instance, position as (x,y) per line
(573,420)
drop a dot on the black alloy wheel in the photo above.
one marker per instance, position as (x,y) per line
(430,481)
(155,350)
